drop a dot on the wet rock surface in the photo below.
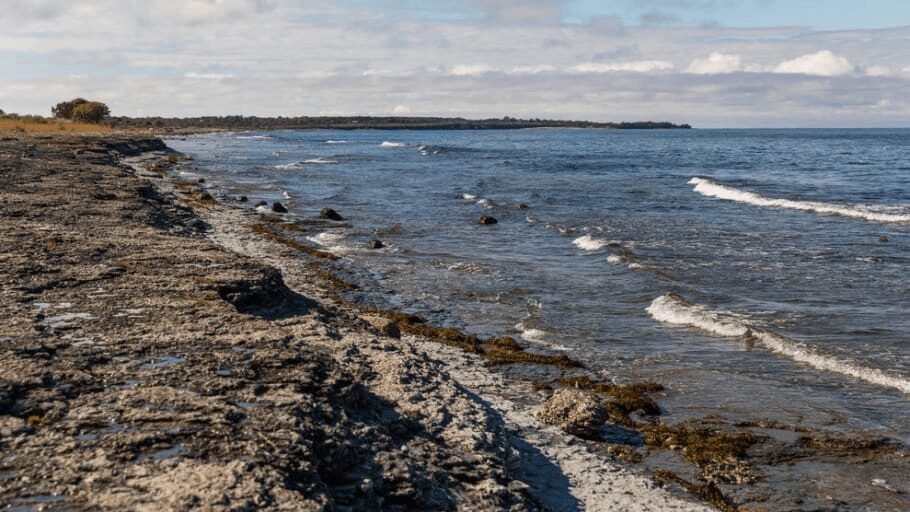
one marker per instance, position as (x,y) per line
(142,367)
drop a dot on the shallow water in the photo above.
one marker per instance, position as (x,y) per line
(756,273)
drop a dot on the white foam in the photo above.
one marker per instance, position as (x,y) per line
(253,137)
(591,243)
(634,266)
(486,203)
(673,309)
(711,189)
(616,259)
(331,242)
(284,194)
(286,167)
(388,144)
(468,197)
(336,142)
(321,160)
(538,337)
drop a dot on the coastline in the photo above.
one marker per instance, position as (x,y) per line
(154,357)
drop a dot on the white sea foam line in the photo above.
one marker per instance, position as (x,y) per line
(590,243)
(711,189)
(673,309)
(388,144)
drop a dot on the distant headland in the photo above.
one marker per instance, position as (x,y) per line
(370,123)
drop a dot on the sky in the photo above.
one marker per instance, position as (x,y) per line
(710,63)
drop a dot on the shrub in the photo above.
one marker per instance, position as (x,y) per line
(90,112)
(64,109)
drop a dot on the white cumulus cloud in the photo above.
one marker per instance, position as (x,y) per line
(716,63)
(823,63)
(639,66)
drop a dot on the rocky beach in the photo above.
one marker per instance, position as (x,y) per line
(160,353)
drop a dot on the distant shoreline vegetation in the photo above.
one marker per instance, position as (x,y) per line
(371,123)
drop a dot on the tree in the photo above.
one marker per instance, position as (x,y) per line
(90,112)
(64,109)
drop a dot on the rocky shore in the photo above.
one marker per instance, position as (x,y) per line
(156,353)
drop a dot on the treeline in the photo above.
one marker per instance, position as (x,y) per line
(367,122)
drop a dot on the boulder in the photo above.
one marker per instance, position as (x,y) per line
(522,206)
(328,213)
(576,411)
(385,326)
(882,238)
(375,244)
(242,199)
(261,203)
(278,207)
(487,220)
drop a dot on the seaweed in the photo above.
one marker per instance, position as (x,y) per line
(269,233)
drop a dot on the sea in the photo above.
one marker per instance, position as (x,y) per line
(757,274)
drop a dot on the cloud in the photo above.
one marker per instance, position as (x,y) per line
(639,66)
(823,63)
(470,69)
(532,70)
(877,71)
(401,110)
(716,63)
(525,11)
(287,57)
(209,76)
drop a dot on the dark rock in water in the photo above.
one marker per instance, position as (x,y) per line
(522,206)
(278,207)
(328,213)
(375,244)
(205,196)
(242,199)
(261,203)
(486,221)
(201,180)
(882,238)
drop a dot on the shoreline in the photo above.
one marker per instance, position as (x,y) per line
(158,337)
(146,366)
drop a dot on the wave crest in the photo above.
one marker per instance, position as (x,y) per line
(709,188)
(673,309)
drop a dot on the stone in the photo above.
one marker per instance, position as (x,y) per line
(882,238)
(242,199)
(375,244)
(278,207)
(261,203)
(487,220)
(385,326)
(328,213)
(522,206)
(576,411)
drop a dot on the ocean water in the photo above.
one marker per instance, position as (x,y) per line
(758,274)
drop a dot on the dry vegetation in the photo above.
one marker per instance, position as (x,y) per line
(35,124)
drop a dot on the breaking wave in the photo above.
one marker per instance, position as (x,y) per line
(591,243)
(388,144)
(709,188)
(673,309)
